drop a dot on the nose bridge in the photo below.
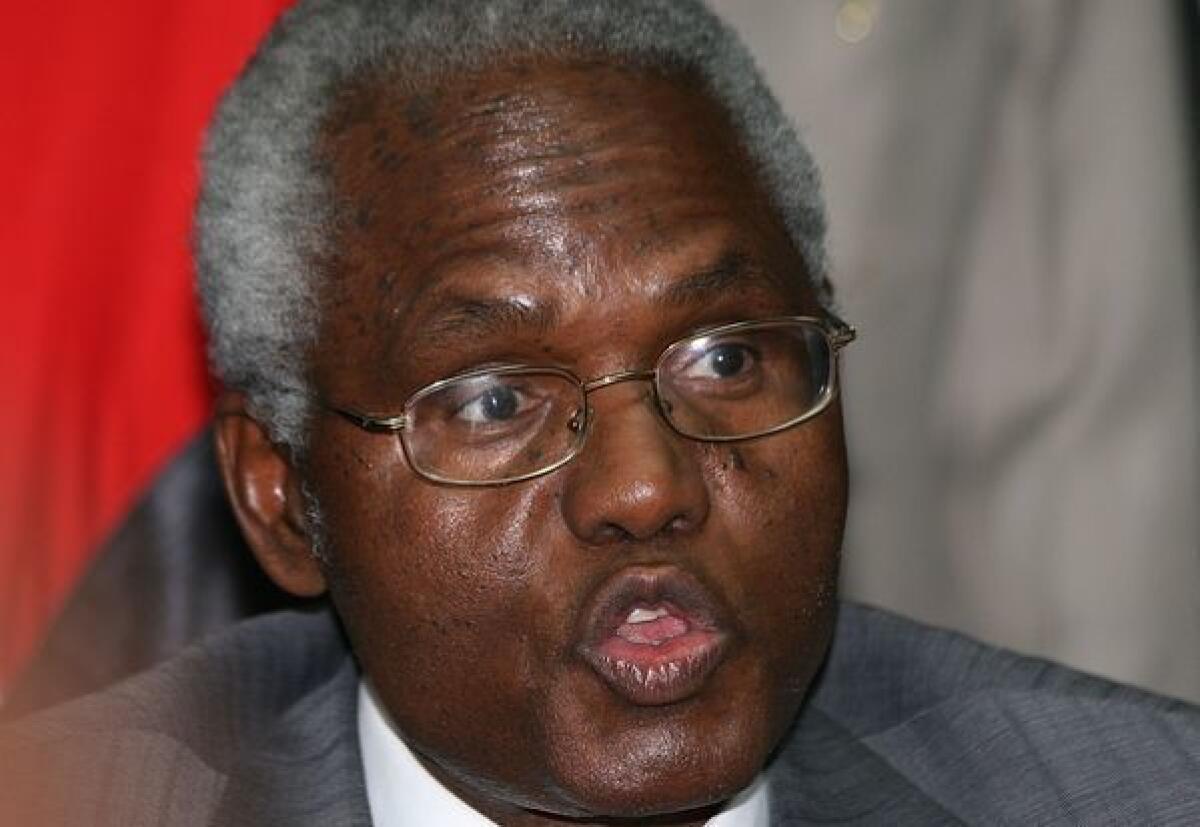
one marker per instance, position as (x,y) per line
(616,379)
(615,410)
(636,478)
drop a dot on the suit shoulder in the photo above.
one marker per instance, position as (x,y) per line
(884,669)
(984,731)
(166,738)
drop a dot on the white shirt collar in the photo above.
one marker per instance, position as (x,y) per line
(402,793)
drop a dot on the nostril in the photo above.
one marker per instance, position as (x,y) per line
(614,533)
(679,524)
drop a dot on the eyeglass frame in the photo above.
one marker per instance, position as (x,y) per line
(838,334)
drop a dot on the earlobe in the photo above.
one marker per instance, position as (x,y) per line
(265,492)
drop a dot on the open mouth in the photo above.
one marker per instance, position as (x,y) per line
(654,635)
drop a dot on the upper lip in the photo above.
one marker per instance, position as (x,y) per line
(611,603)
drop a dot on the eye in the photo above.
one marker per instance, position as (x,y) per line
(724,360)
(497,403)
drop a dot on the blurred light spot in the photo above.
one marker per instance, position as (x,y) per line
(855,20)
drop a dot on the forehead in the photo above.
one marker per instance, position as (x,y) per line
(563,186)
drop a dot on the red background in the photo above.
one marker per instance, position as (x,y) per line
(102,365)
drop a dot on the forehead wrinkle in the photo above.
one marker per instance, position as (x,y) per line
(547,178)
(574,144)
(507,114)
(561,184)
(530,147)
(529,131)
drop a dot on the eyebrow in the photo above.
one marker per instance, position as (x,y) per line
(734,270)
(460,318)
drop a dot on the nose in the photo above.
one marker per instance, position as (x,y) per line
(635,479)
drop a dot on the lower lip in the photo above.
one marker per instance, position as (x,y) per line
(649,675)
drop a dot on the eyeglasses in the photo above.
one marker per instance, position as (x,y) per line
(501,425)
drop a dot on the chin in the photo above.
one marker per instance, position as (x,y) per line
(630,793)
(667,760)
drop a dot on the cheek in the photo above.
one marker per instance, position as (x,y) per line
(433,587)
(783,503)
(790,490)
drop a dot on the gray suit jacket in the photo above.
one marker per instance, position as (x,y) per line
(905,725)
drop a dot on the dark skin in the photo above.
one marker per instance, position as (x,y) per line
(574,214)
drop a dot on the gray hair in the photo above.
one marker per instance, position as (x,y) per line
(264,218)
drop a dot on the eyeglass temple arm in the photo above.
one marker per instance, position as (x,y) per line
(840,333)
(377,424)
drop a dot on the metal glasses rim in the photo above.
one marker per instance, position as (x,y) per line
(837,332)
(821,405)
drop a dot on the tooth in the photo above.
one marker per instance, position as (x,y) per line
(640,615)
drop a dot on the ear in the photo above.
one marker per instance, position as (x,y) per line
(264,489)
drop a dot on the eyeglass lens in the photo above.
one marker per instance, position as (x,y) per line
(743,383)
(494,426)
(515,423)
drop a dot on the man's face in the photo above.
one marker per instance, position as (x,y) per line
(581,216)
